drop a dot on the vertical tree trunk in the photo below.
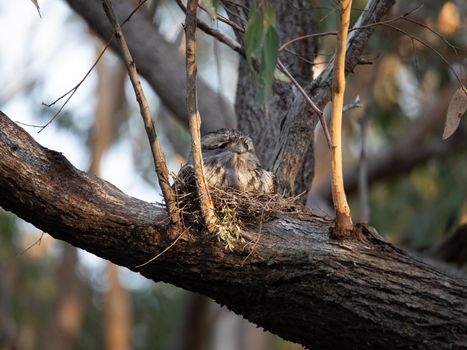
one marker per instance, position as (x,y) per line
(293,19)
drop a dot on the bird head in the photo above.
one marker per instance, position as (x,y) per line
(227,139)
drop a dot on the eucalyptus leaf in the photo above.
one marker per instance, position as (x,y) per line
(211,7)
(456,109)
(254,36)
(262,44)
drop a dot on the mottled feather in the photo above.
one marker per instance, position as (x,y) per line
(230,161)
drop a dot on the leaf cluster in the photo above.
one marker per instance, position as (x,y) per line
(261,48)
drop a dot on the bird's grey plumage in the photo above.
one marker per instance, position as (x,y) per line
(230,161)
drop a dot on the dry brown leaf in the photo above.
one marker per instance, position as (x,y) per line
(36,3)
(449,19)
(457,108)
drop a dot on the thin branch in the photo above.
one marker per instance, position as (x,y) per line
(423,25)
(73,90)
(166,249)
(36,242)
(316,35)
(206,204)
(158,156)
(231,23)
(387,23)
(429,47)
(343,225)
(309,101)
(303,37)
(221,19)
(355,104)
(215,33)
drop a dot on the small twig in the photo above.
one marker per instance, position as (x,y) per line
(301,58)
(404,17)
(221,19)
(303,37)
(158,156)
(73,90)
(353,105)
(231,23)
(255,244)
(162,252)
(206,205)
(309,101)
(367,26)
(423,25)
(36,3)
(36,242)
(259,232)
(429,47)
(216,33)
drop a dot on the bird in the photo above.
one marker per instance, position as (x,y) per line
(230,162)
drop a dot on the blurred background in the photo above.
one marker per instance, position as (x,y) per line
(53,296)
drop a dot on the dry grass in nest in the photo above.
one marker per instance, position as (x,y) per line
(236,210)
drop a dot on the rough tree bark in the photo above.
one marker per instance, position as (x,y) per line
(297,283)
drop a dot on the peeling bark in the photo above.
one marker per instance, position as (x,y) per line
(297,283)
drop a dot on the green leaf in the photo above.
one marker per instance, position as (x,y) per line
(281,76)
(269,17)
(262,44)
(254,35)
(211,7)
(268,63)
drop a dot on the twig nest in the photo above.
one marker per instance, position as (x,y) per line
(236,210)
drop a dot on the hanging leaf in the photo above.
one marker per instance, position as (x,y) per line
(211,7)
(269,17)
(36,3)
(281,76)
(262,44)
(268,62)
(253,36)
(456,110)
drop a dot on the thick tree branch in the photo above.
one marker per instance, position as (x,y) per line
(297,282)
(158,61)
